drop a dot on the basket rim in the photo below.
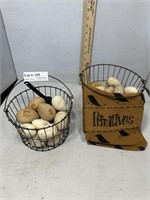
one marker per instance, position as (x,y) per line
(81,75)
(50,76)
(24,91)
(114,65)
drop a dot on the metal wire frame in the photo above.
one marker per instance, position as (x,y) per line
(21,100)
(101,72)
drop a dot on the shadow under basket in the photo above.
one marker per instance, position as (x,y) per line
(35,142)
(113,119)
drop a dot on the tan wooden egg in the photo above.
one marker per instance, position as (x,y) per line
(26,115)
(35,102)
(95,84)
(46,111)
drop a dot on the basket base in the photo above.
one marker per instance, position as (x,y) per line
(139,147)
(131,139)
(47,145)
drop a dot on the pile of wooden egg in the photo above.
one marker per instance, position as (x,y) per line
(113,85)
(41,123)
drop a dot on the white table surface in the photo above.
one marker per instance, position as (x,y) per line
(74,170)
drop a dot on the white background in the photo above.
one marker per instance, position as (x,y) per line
(45,35)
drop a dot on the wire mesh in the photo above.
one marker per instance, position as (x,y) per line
(101,72)
(34,141)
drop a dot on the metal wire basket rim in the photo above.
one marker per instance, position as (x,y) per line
(68,113)
(81,74)
(6,107)
(18,82)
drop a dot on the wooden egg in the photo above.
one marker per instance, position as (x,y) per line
(33,104)
(26,115)
(46,111)
(61,120)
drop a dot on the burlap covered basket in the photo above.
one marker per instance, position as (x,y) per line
(111,119)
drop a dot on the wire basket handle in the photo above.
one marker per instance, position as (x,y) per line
(63,85)
(17,83)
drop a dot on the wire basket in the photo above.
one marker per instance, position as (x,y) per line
(113,119)
(101,72)
(22,99)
